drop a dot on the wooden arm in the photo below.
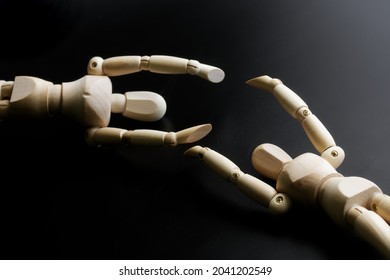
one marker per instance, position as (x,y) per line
(255,188)
(145,137)
(122,65)
(317,133)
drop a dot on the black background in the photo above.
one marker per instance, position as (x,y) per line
(61,199)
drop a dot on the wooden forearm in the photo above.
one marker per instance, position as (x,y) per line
(115,136)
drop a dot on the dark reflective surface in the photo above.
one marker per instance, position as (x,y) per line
(61,199)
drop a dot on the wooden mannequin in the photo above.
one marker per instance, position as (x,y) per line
(90,101)
(352,202)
